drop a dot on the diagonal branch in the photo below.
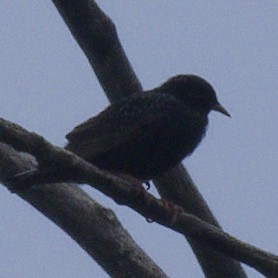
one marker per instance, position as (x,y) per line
(96,34)
(78,170)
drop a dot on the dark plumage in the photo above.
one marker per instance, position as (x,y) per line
(148,133)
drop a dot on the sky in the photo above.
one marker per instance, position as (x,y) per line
(47,86)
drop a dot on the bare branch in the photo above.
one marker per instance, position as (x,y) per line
(78,170)
(96,34)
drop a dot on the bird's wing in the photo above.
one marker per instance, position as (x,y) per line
(133,117)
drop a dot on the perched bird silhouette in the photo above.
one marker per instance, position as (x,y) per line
(143,135)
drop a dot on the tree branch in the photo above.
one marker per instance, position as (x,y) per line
(95,228)
(76,169)
(96,34)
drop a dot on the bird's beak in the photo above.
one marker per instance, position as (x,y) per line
(218,107)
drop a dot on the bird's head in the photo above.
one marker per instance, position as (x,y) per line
(195,92)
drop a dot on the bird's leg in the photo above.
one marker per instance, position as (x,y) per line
(138,183)
(141,193)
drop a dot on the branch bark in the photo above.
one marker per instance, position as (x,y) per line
(78,170)
(96,34)
(95,228)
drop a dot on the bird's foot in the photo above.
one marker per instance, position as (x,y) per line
(141,191)
(174,210)
(148,185)
(135,181)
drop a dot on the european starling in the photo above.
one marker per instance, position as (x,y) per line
(145,134)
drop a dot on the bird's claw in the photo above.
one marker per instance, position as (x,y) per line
(174,210)
(148,185)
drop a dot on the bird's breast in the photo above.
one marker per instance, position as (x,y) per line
(181,137)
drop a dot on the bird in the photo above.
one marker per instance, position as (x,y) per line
(143,135)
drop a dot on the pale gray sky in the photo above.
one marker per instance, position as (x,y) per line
(47,86)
